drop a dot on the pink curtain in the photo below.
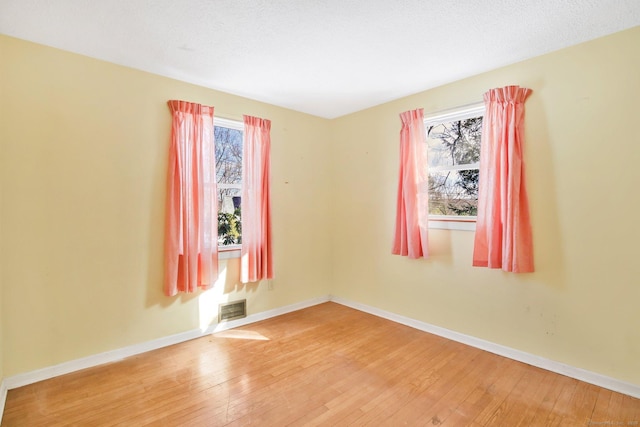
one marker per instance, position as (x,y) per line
(503,231)
(256,256)
(412,209)
(191,235)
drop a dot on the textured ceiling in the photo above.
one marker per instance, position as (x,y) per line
(323,57)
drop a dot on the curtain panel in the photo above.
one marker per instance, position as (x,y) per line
(191,235)
(256,256)
(503,236)
(412,207)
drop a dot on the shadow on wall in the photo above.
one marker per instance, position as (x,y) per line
(543,198)
(440,246)
(231,278)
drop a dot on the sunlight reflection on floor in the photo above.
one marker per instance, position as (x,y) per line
(241,334)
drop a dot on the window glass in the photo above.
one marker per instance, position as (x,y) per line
(454,140)
(228,143)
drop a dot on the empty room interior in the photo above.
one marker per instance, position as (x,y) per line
(344,331)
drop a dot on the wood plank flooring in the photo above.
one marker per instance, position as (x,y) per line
(326,365)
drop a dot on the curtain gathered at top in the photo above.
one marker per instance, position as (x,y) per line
(256,256)
(191,235)
(503,236)
(412,208)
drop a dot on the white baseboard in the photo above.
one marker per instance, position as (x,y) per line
(3,397)
(119,354)
(521,356)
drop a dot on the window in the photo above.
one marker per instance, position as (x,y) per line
(228,144)
(453,140)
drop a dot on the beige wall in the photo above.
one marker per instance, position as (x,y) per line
(582,153)
(84,152)
(3,126)
(2,349)
(84,147)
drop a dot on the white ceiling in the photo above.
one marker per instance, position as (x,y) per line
(323,57)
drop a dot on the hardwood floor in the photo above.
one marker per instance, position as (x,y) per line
(325,365)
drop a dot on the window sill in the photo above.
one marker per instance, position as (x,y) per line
(229,252)
(462,225)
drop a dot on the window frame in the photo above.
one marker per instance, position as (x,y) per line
(229,251)
(453,222)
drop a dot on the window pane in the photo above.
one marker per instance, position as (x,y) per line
(228,155)
(228,144)
(454,192)
(229,216)
(454,143)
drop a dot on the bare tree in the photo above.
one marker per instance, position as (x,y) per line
(455,144)
(228,146)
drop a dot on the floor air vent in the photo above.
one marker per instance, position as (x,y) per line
(232,310)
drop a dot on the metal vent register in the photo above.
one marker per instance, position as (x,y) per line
(232,310)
